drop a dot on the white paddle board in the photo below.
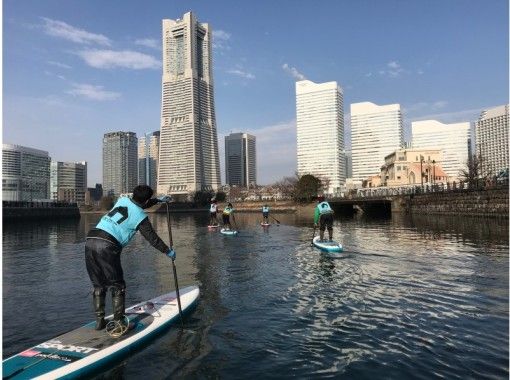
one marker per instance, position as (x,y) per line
(228,232)
(86,350)
(326,245)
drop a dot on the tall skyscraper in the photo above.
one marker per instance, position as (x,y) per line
(68,181)
(376,131)
(148,155)
(120,169)
(25,173)
(320,132)
(491,131)
(188,156)
(452,139)
(240,159)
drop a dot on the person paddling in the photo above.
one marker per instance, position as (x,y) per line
(265,213)
(105,242)
(226,215)
(213,209)
(323,217)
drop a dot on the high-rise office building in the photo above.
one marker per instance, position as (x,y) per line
(68,181)
(25,173)
(240,159)
(120,166)
(491,131)
(320,132)
(453,139)
(348,164)
(148,155)
(188,155)
(376,131)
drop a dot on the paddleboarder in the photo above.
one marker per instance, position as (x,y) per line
(105,242)
(323,217)
(265,213)
(213,209)
(226,215)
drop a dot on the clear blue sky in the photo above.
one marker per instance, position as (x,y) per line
(73,70)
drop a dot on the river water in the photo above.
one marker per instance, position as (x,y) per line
(411,297)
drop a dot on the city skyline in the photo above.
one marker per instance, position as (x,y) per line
(83,76)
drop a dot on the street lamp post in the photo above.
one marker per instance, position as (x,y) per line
(421,170)
(434,171)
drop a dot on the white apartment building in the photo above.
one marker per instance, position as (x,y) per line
(188,155)
(148,155)
(320,132)
(491,132)
(376,131)
(453,139)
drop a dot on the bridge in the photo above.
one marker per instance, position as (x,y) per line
(384,200)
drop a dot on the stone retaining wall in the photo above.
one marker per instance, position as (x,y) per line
(492,202)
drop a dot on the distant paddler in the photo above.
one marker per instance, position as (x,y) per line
(213,209)
(229,210)
(323,217)
(265,214)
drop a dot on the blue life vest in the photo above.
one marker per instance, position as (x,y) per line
(265,209)
(228,210)
(122,220)
(324,208)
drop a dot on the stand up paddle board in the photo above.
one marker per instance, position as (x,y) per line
(326,245)
(265,224)
(85,349)
(228,232)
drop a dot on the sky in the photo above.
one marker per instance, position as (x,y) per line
(74,70)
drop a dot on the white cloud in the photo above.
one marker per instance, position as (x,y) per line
(293,71)
(60,65)
(63,30)
(49,73)
(368,75)
(109,59)
(220,39)
(241,73)
(394,69)
(149,42)
(92,92)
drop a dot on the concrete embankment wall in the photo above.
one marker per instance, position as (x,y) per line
(491,202)
(15,213)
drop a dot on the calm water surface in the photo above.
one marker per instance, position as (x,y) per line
(412,297)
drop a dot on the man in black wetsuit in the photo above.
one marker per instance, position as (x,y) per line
(104,245)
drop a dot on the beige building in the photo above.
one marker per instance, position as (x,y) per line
(403,167)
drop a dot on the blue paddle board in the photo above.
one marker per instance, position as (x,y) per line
(326,245)
(84,350)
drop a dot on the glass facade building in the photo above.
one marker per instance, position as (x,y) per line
(240,159)
(68,181)
(120,163)
(25,173)
(148,155)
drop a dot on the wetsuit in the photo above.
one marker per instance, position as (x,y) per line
(114,231)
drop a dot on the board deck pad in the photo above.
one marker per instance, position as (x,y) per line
(329,246)
(265,224)
(80,350)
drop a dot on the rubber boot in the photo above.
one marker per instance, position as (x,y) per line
(98,300)
(118,304)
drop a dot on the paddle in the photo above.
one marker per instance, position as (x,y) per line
(314,227)
(235,224)
(276,220)
(173,263)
